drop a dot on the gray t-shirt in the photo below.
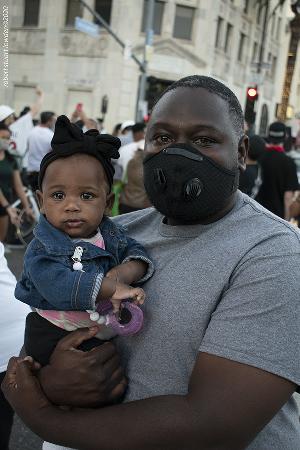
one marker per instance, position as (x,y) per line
(231,289)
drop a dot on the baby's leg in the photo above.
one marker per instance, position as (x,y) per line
(42,336)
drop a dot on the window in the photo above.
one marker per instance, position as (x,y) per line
(103,7)
(158,16)
(228,37)
(31,13)
(254,52)
(273,24)
(246,5)
(274,64)
(218,41)
(241,47)
(278,28)
(183,22)
(74,9)
(259,14)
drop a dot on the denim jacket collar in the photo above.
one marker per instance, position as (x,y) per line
(57,242)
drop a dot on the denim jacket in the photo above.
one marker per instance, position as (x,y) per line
(48,280)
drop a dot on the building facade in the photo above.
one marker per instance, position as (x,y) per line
(234,41)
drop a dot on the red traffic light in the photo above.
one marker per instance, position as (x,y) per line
(252,93)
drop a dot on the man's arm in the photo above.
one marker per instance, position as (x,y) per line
(287,200)
(37,106)
(227,404)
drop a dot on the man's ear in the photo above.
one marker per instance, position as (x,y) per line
(109,202)
(243,147)
(39,196)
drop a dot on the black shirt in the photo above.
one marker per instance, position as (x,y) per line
(248,178)
(279,175)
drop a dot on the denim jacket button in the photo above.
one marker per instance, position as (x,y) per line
(112,233)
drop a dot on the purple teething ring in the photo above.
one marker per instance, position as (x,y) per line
(133,320)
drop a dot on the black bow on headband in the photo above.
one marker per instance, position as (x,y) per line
(69,139)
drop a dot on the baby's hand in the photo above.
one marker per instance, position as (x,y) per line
(123,291)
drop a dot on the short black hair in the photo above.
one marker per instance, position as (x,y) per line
(4,127)
(257,147)
(216,87)
(45,116)
(137,127)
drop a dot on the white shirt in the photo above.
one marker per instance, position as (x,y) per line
(39,143)
(20,130)
(12,315)
(127,152)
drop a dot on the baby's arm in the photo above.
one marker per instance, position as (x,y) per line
(129,272)
(115,286)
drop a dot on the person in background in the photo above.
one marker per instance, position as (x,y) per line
(21,127)
(12,325)
(250,180)
(279,174)
(10,184)
(127,151)
(117,130)
(125,135)
(39,143)
(133,196)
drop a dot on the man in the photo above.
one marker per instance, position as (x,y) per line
(39,143)
(218,359)
(279,174)
(125,132)
(250,179)
(22,126)
(127,151)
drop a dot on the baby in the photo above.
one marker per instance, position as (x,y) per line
(79,260)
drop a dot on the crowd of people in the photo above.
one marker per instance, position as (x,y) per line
(216,363)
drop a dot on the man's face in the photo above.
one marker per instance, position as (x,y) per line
(75,195)
(197,117)
(4,137)
(9,120)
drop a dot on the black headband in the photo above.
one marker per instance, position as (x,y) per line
(69,139)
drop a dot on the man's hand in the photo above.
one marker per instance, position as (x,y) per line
(83,379)
(22,388)
(13,214)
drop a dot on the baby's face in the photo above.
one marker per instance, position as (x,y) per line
(75,195)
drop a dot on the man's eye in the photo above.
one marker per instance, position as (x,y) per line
(87,196)
(58,195)
(163,139)
(204,141)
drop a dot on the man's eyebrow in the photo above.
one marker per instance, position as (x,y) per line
(196,126)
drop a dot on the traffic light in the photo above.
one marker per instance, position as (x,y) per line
(252,96)
(252,93)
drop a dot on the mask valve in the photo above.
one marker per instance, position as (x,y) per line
(192,189)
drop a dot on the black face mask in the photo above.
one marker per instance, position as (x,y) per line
(186,185)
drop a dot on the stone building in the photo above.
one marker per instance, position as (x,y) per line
(221,38)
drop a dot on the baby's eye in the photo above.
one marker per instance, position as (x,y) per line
(87,196)
(58,195)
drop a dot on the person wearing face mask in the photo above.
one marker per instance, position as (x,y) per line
(10,184)
(218,361)
(39,143)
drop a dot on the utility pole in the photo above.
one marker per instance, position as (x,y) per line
(147,52)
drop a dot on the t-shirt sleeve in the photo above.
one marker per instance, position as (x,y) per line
(291,177)
(257,320)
